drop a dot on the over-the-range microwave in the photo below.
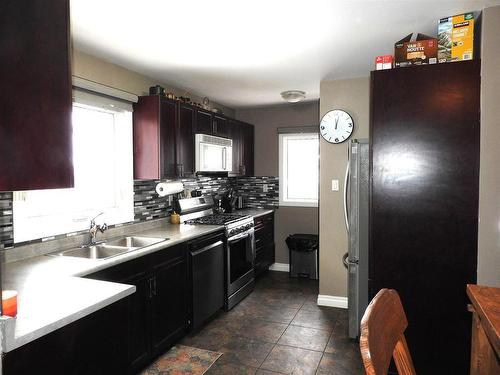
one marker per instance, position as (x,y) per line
(213,154)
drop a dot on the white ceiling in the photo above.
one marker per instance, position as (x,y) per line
(244,53)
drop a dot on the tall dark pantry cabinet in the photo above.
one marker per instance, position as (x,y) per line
(424,169)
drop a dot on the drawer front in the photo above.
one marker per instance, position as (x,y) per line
(263,237)
(264,221)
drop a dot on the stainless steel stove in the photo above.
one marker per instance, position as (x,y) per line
(239,244)
(216,219)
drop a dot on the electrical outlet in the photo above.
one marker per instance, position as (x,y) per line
(335,185)
(265,188)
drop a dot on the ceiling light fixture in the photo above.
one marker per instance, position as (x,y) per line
(293,96)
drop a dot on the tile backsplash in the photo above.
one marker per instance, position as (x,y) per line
(259,192)
(6,221)
(256,192)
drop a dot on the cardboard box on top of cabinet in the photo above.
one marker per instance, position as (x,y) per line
(421,51)
(383,62)
(458,37)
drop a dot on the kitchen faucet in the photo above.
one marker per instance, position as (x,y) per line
(94,228)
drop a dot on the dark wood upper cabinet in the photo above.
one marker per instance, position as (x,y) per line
(247,149)
(424,134)
(35,116)
(242,135)
(185,141)
(203,122)
(155,120)
(220,126)
(212,124)
(164,138)
(235,135)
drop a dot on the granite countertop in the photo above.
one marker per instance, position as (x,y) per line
(255,212)
(52,293)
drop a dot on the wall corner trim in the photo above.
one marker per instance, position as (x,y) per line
(332,301)
(281,267)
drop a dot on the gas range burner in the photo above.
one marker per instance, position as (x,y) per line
(217,219)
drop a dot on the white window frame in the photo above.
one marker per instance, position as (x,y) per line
(32,224)
(283,167)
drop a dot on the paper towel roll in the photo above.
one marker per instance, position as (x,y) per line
(166,188)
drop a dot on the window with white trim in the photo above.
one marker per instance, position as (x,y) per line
(299,169)
(103,171)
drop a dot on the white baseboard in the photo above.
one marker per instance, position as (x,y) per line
(332,301)
(282,267)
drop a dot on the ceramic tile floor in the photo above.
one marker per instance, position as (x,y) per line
(280,329)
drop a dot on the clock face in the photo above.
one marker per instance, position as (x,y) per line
(336,126)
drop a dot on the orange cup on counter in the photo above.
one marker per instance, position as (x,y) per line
(9,303)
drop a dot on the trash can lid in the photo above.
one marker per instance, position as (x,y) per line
(302,242)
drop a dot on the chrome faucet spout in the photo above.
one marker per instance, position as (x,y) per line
(94,228)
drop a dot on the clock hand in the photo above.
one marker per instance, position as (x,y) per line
(336,121)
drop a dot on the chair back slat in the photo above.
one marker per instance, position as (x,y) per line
(382,335)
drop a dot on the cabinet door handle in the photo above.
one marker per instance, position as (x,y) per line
(154,286)
(150,283)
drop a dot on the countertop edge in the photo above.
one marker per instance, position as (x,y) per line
(13,343)
(491,331)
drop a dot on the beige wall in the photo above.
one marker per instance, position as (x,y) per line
(351,95)
(267,120)
(489,193)
(106,73)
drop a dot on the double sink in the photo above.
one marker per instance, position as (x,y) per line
(111,248)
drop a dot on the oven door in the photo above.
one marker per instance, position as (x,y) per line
(240,260)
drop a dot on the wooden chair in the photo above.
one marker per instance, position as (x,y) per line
(382,335)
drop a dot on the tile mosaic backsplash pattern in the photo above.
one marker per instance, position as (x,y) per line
(148,206)
(6,221)
(258,192)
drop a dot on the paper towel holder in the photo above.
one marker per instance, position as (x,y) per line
(167,188)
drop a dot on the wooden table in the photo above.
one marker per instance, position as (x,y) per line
(485,351)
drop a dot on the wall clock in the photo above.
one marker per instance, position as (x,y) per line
(336,126)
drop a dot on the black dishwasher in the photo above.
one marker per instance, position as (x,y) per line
(206,260)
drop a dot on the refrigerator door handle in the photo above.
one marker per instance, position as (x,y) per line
(346,211)
(344,260)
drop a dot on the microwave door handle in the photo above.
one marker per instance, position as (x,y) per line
(224,157)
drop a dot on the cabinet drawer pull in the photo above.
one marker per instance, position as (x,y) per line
(150,284)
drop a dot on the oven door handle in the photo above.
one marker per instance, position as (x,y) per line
(238,237)
(249,236)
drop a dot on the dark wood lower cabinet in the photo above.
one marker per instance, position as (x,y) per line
(158,314)
(169,305)
(93,345)
(264,243)
(139,325)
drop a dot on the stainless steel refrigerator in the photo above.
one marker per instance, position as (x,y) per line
(356,214)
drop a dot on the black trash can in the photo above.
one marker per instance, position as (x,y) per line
(304,257)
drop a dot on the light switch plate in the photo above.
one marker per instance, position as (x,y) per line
(335,185)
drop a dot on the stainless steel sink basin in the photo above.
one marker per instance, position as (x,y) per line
(111,248)
(95,252)
(135,242)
